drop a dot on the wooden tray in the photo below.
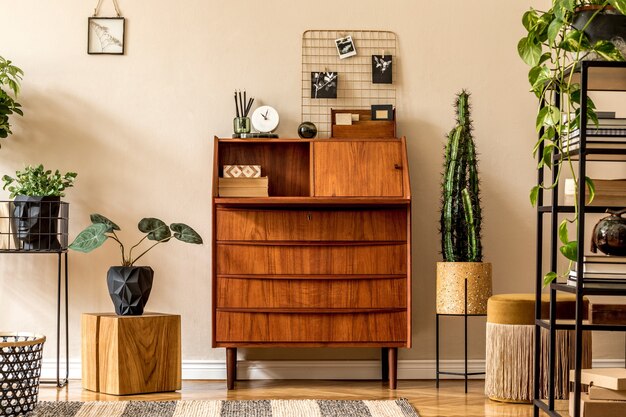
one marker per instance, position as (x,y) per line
(364,128)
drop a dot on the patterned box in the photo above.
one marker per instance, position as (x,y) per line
(242,171)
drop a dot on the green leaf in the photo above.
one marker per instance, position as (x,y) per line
(592,189)
(563,235)
(91,238)
(620,5)
(155,228)
(100,219)
(548,116)
(574,41)
(570,250)
(547,155)
(185,233)
(548,278)
(608,51)
(534,194)
(529,20)
(538,77)
(529,50)
(554,29)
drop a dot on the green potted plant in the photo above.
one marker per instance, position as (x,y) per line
(557,40)
(10,78)
(36,206)
(130,285)
(461,223)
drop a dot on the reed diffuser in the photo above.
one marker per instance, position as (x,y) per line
(241,122)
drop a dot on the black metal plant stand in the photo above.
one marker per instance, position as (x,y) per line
(464,374)
(53,228)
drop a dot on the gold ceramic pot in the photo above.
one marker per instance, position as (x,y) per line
(451,278)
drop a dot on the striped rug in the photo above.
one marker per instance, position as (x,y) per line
(244,408)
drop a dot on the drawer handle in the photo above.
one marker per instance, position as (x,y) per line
(309,216)
(397,166)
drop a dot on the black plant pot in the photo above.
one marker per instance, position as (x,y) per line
(606,26)
(129,288)
(36,222)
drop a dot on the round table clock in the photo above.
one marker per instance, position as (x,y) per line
(265,119)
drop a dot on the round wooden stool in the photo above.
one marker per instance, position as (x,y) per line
(510,347)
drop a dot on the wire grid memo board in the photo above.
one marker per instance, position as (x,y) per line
(355,89)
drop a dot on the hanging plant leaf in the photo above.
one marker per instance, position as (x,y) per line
(575,41)
(548,116)
(620,5)
(548,278)
(570,250)
(185,233)
(591,188)
(99,218)
(608,51)
(534,193)
(91,238)
(563,235)
(529,50)
(155,228)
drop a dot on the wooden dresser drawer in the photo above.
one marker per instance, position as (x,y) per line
(322,328)
(312,225)
(310,293)
(249,259)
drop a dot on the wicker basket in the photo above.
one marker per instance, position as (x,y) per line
(20,369)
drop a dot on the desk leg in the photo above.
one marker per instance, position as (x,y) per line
(384,361)
(393,368)
(231,367)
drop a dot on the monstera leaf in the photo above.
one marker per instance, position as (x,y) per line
(185,233)
(91,238)
(100,219)
(155,228)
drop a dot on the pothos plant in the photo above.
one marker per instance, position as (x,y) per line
(10,77)
(553,48)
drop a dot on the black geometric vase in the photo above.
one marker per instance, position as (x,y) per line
(129,288)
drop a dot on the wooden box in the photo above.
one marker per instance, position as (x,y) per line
(601,313)
(124,355)
(363,129)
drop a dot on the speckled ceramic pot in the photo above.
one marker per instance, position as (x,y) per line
(451,277)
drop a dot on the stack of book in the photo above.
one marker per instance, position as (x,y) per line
(607,193)
(602,272)
(243,187)
(607,392)
(609,133)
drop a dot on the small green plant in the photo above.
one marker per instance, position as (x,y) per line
(553,49)
(10,78)
(156,230)
(461,217)
(37,181)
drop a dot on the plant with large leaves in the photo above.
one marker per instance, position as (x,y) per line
(554,48)
(156,230)
(10,78)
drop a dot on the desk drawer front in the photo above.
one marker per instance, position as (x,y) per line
(237,259)
(312,225)
(289,327)
(307,293)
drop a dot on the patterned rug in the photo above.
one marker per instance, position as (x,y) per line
(249,408)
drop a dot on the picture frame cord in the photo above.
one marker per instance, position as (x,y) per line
(96,11)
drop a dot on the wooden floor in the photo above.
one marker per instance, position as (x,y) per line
(450,400)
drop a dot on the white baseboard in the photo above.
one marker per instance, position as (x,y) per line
(363,369)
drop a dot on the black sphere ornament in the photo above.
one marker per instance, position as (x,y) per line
(609,235)
(307,130)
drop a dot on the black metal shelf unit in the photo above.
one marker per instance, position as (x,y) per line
(41,228)
(593,76)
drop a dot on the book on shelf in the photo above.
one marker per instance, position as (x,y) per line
(604,259)
(608,192)
(600,275)
(611,378)
(243,187)
(600,114)
(597,408)
(595,284)
(599,393)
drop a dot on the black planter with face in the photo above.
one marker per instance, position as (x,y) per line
(129,288)
(36,222)
(606,26)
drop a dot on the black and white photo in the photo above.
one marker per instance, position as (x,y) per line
(345,47)
(105,35)
(382,112)
(382,70)
(324,84)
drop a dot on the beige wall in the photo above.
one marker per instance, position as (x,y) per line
(138,129)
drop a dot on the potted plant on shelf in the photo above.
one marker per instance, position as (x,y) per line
(36,206)
(10,78)
(130,285)
(557,40)
(461,220)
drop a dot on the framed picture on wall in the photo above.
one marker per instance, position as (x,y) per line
(324,84)
(105,36)
(345,47)
(382,69)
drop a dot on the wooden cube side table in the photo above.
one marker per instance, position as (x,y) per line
(124,355)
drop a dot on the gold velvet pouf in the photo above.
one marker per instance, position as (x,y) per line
(510,347)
